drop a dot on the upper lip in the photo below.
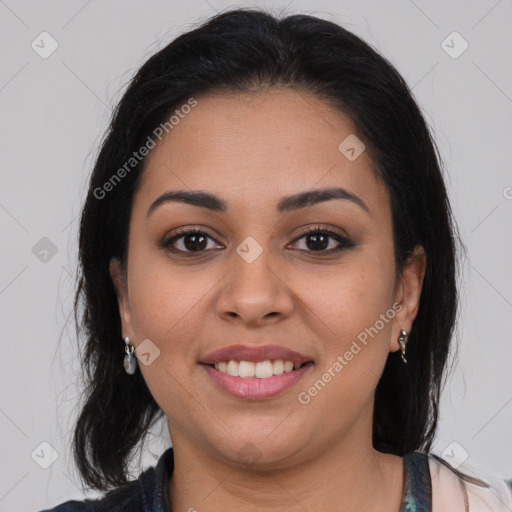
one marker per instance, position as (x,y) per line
(254,354)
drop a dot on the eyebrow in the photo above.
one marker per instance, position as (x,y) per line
(286,204)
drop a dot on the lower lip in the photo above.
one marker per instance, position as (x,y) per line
(255,388)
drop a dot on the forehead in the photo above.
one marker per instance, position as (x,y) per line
(257,145)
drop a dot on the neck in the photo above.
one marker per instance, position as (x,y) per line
(346,476)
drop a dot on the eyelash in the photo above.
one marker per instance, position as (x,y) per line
(345,243)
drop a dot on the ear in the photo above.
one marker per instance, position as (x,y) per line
(118,276)
(408,294)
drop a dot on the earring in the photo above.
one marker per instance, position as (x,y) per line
(130,361)
(402,340)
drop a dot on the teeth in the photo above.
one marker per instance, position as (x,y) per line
(277,367)
(261,370)
(232,368)
(245,369)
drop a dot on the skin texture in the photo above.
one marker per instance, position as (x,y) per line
(251,150)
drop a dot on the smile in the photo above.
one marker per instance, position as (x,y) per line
(256,380)
(261,370)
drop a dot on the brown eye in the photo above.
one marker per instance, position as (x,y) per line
(319,239)
(190,240)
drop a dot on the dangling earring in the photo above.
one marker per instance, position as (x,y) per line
(130,361)
(402,340)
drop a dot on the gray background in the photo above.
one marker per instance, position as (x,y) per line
(54,113)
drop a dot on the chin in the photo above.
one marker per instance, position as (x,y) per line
(261,449)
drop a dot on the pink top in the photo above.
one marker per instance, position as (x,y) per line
(452,494)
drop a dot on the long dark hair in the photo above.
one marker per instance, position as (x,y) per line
(238,51)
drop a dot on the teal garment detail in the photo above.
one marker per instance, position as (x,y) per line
(149,492)
(417,496)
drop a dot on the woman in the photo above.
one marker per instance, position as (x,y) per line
(268,242)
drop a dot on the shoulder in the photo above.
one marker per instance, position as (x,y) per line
(129,498)
(146,494)
(467,489)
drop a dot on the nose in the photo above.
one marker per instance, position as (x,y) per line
(255,293)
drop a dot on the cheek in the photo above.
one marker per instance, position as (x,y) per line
(165,306)
(353,296)
(164,298)
(356,304)
(171,303)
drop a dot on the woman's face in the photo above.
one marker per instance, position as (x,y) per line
(251,279)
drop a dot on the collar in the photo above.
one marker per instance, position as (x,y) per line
(417,493)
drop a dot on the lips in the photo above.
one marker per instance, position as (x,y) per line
(254,388)
(255,354)
(259,385)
